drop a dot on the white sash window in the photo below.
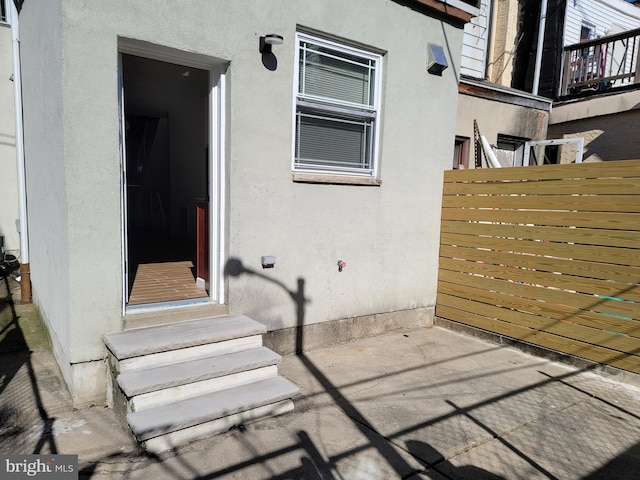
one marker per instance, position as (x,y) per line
(337,107)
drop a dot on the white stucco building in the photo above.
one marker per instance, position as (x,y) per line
(213,134)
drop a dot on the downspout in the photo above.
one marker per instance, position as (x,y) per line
(25,274)
(543,22)
(492,18)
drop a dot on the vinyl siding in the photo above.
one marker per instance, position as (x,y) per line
(607,16)
(475,41)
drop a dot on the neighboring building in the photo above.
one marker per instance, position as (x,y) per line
(497,77)
(158,133)
(491,92)
(600,90)
(9,214)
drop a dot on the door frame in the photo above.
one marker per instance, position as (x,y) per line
(216,133)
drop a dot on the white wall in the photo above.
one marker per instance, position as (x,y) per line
(387,234)
(9,212)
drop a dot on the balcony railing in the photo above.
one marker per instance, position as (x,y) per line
(601,64)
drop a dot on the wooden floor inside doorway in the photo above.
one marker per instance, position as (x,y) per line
(164,282)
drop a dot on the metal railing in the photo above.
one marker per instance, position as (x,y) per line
(601,64)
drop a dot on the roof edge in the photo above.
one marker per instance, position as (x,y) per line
(454,9)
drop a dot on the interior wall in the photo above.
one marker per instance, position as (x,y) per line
(188,147)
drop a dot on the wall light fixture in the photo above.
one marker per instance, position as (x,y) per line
(268,40)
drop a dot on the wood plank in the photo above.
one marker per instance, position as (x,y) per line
(604,305)
(615,169)
(582,203)
(597,186)
(602,271)
(589,286)
(566,329)
(612,255)
(553,342)
(610,220)
(586,236)
(547,310)
(164,282)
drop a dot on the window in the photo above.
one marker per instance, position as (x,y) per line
(461,153)
(3,11)
(336,108)
(587,32)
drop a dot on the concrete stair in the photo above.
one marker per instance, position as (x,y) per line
(177,382)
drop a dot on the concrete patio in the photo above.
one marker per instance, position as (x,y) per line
(426,403)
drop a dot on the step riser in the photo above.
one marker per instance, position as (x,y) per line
(190,353)
(182,392)
(171,440)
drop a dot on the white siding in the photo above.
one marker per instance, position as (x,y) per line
(607,16)
(474,49)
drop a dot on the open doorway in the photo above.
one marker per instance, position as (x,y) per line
(166,179)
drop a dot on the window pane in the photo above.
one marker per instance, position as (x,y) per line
(335,75)
(333,142)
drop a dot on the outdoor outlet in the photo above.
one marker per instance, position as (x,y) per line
(268,262)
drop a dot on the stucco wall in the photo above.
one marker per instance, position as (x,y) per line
(47,205)
(608,137)
(8,167)
(608,123)
(500,118)
(388,234)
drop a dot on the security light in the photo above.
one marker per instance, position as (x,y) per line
(268,40)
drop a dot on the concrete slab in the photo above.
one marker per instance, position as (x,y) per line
(416,404)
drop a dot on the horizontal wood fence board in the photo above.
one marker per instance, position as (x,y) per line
(585,236)
(593,253)
(602,271)
(543,339)
(583,203)
(548,255)
(616,169)
(600,186)
(567,329)
(561,313)
(589,286)
(606,305)
(610,220)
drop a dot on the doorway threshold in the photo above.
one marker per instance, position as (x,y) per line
(169,312)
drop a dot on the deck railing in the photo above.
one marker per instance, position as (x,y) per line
(601,64)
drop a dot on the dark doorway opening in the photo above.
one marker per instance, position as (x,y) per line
(166,142)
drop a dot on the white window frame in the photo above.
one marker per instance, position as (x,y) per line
(326,107)
(5,8)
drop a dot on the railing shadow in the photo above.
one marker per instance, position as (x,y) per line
(401,449)
(15,355)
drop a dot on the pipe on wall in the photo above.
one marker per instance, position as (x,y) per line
(25,274)
(541,27)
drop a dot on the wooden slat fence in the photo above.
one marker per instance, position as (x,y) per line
(546,255)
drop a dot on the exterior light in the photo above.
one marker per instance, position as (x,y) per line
(268,40)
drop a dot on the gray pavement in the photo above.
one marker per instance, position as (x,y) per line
(425,403)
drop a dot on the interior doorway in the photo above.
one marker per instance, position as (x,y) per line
(166,164)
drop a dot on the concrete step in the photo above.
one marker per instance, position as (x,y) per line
(137,342)
(137,382)
(176,382)
(151,387)
(203,387)
(174,439)
(165,419)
